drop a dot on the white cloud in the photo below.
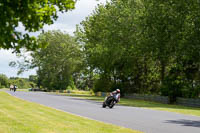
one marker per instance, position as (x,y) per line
(60,26)
(67,21)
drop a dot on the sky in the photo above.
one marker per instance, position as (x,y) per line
(66,22)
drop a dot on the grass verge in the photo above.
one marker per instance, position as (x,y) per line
(147,104)
(19,116)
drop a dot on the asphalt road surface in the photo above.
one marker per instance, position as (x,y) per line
(146,120)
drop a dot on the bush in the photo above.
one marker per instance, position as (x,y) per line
(86,88)
(1,87)
(69,88)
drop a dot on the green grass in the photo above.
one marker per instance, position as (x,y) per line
(25,90)
(19,116)
(147,104)
(162,107)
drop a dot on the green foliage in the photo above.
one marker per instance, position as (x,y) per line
(22,83)
(139,46)
(34,80)
(58,62)
(111,47)
(69,88)
(102,85)
(144,46)
(33,15)
(4,81)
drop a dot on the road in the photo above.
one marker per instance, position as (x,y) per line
(146,120)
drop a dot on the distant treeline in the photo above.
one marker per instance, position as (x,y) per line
(22,83)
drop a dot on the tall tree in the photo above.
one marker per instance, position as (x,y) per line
(110,42)
(59,61)
(143,43)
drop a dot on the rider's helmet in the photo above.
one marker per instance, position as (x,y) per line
(118,90)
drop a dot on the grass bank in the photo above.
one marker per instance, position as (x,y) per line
(19,116)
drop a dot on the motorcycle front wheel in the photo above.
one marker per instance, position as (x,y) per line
(112,104)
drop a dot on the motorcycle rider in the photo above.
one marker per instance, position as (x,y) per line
(15,88)
(116,95)
(113,98)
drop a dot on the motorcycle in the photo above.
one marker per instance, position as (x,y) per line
(110,101)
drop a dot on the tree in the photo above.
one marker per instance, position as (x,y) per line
(33,15)
(4,82)
(144,46)
(34,80)
(110,43)
(170,29)
(58,62)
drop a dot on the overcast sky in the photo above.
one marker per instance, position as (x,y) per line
(66,22)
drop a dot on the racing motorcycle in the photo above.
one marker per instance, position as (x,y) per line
(110,101)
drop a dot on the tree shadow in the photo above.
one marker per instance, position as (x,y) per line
(183,122)
(87,100)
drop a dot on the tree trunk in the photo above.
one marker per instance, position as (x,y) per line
(162,72)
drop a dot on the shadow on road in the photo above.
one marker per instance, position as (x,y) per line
(184,122)
(91,101)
